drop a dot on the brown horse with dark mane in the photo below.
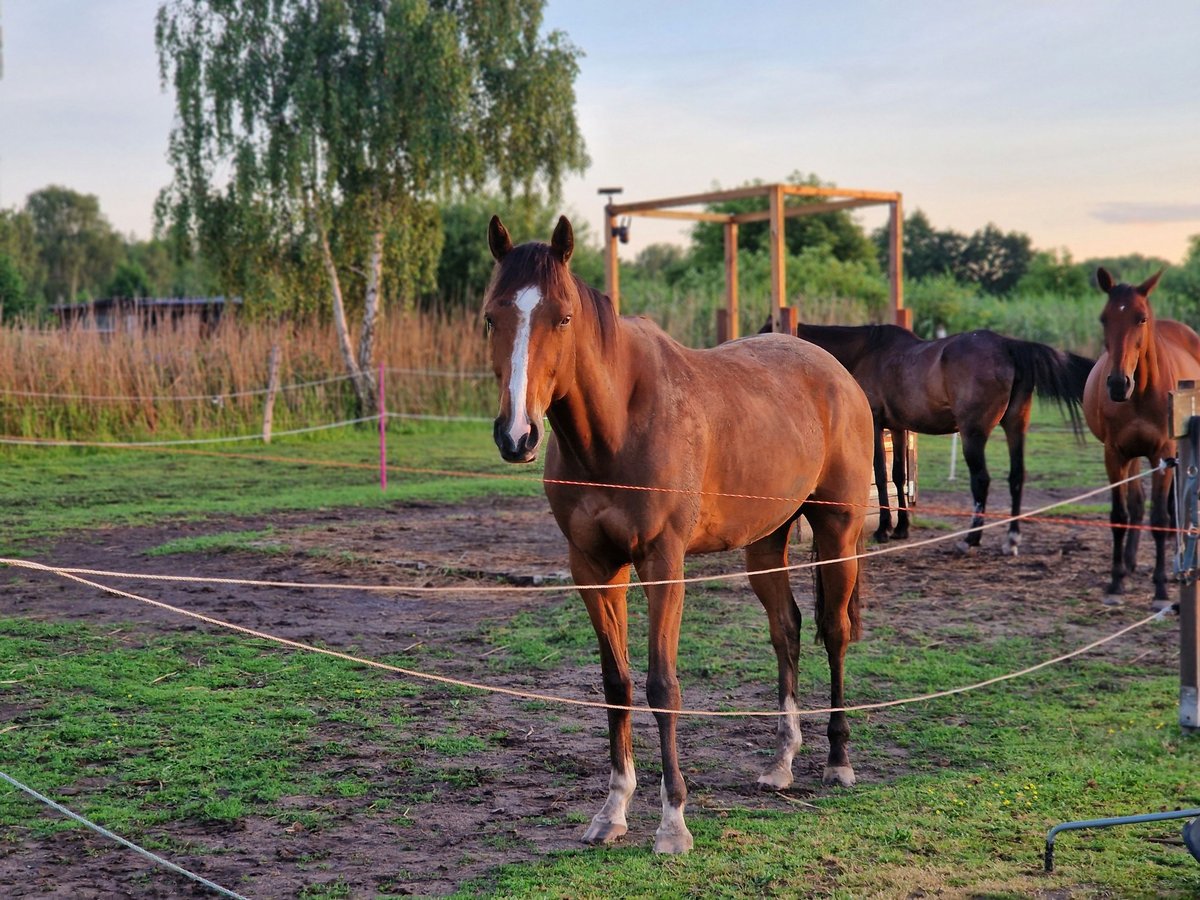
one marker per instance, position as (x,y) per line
(968,383)
(1126,406)
(728,447)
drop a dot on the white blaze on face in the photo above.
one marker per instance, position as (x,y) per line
(518,380)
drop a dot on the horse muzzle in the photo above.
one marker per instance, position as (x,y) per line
(524,449)
(1120,387)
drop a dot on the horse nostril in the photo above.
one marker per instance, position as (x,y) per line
(534,437)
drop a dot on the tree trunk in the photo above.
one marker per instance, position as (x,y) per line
(363,385)
(366,338)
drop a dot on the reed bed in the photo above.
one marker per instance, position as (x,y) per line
(182,380)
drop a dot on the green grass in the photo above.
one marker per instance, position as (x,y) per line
(48,491)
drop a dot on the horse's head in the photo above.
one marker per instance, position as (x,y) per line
(1128,325)
(528,311)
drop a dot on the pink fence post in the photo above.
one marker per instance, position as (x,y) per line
(382,435)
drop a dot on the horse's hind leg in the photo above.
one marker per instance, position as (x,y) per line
(1162,516)
(1125,507)
(879,459)
(900,479)
(973,442)
(607,609)
(837,534)
(783,617)
(1015,423)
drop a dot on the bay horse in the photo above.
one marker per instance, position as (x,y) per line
(1126,407)
(968,383)
(728,445)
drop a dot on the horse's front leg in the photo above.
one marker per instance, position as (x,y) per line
(665,602)
(783,619)
(881,489)
(607,609)
(1161,519)
(1124,543)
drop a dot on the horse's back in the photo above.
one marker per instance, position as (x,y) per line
(1184,349)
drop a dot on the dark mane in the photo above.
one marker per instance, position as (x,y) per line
(536,263)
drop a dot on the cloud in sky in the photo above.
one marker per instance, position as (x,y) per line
(1146,213)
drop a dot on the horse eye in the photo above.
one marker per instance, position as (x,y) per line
(488,326)
(564,322)
(1142,320)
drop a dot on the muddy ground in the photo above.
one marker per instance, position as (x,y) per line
(535,787)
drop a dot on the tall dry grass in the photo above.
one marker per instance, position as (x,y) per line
(179,381)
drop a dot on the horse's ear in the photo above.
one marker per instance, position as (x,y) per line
(1149,284)
(1104,280)
(563,242)
(498,239)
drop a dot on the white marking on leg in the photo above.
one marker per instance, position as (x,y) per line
(518,383)
(672,835)
(788,740)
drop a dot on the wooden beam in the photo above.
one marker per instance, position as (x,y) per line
(804,209)
(805,190)
(758,190)
(731,278)
(682,214)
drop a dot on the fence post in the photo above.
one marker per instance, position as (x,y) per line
(272,390)
(1185,426)
(382,434)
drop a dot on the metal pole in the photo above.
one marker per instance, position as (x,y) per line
(1108,823)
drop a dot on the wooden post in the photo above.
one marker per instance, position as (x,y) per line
(778,258)
(731,279)
(902,316)
(1185,426)
(722,326)
(787,320)
(612,271)
(272,390)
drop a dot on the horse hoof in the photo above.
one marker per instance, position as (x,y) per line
(839,775)
(672,843)
(777,778)
(881,537)
(1158,604)
(900,534)
(1111,599)
(962,548)
(604,832)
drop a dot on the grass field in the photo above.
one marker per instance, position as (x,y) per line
(143,730)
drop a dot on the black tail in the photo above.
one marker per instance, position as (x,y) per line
(1056,375)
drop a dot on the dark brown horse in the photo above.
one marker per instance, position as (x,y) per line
(767,416)
(968,383)
(1126,407)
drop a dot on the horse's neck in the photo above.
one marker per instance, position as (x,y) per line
(591,420)
(847,345)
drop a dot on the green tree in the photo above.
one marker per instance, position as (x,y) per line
(14,299)
(321,132)
(19,243)
(77,246)
(835,230)
(1050,273)
(995,260)
(129,281)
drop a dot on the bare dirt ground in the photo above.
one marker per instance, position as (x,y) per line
(532,790)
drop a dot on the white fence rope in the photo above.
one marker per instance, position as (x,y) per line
(104,832)
(213,398)
(558,588)
(594,704)
(180,442)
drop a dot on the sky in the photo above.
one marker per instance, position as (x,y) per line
(1076,121)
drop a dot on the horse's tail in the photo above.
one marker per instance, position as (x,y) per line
(853,606)
(1053,375)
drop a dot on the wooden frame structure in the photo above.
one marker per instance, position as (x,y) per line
(777,213)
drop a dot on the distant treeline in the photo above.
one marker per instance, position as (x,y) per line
(60,248)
